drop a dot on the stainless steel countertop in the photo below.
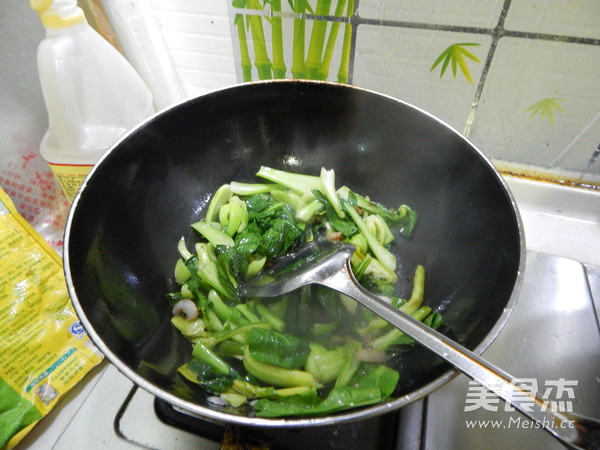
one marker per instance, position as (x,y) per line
(552,335)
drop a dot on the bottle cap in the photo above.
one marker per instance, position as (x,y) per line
(58,13)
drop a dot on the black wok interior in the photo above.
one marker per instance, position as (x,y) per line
(124,228)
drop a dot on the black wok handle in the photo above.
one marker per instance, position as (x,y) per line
(572,430)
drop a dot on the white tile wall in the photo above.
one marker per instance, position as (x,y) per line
(198,36)
(397,61)
(472,13)
(563,17)
(525,71)
(545,49)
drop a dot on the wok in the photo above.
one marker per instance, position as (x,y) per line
(139,200)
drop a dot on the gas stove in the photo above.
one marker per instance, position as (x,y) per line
(552,338)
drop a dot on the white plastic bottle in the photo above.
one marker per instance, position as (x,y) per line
(92,94)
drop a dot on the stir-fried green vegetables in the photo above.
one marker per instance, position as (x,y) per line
(313,351)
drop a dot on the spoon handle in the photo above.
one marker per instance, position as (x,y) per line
(573,430)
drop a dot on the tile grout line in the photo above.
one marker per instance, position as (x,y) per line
(353,20)
(497,33)
(356,19)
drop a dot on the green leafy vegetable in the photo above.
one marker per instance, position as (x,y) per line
(342,224)
(377,376)
(272,347)
(339,399)
(303,353)
(403,218)
(210,375)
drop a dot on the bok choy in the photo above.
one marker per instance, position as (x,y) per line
(310,352)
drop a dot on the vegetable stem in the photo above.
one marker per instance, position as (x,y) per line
(389,338)
(183,251)
(385,257)
(222,311)
(277,376)
(297,182)
(268,316)
(251,188)
(202,353)
(212,234)
(416,298)
(219,198)
(328,188)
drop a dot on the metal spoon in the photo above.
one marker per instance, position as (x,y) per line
(328,264)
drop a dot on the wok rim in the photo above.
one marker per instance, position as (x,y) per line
(329,419)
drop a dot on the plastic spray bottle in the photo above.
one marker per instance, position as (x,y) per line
(92,94)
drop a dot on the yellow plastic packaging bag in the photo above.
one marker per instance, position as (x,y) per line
(44,350)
